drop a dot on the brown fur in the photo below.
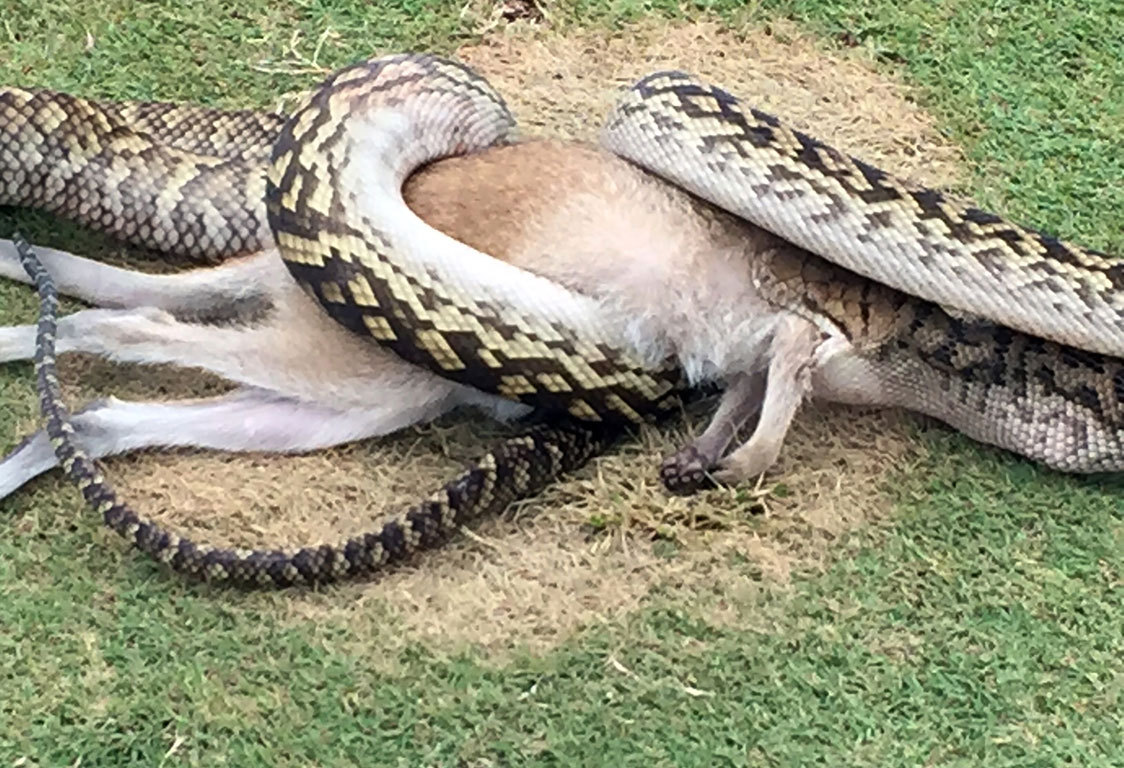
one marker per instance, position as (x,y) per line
(688,276)
(681,278)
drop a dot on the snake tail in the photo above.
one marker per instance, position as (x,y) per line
(513,469)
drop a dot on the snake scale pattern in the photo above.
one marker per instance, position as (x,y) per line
(1030,350)
(179,179)
(903,235)
(515,468)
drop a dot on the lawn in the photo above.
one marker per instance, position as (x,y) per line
(978,623)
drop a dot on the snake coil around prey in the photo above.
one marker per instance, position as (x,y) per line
(334,207)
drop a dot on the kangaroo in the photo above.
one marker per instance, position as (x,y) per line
(731,303)
(677,271)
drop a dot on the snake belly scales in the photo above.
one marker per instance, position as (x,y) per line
(208,184)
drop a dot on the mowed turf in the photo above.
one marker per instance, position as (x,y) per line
(983,625)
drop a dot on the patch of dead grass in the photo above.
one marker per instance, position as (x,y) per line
(565,84)
(591,548)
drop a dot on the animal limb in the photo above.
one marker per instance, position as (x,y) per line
(685,470)
(295,351)
(191,292)
(244,420)
(793,358)
(146,335)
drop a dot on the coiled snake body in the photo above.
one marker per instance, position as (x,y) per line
(332,201)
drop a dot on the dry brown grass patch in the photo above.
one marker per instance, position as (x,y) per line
(592,547)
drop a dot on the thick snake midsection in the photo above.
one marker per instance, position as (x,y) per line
(909,237)
(384,274)
(187,192)
(243,134)
(335,204)
(1054,404)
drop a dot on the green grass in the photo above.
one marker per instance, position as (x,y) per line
(984,626)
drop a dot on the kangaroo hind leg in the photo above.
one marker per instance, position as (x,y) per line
(220,291)
(246,420)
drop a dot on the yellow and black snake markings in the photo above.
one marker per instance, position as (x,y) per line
(904,235)
(1052,403)
(179,179)
(513,469)
(153,175)
(366,286)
